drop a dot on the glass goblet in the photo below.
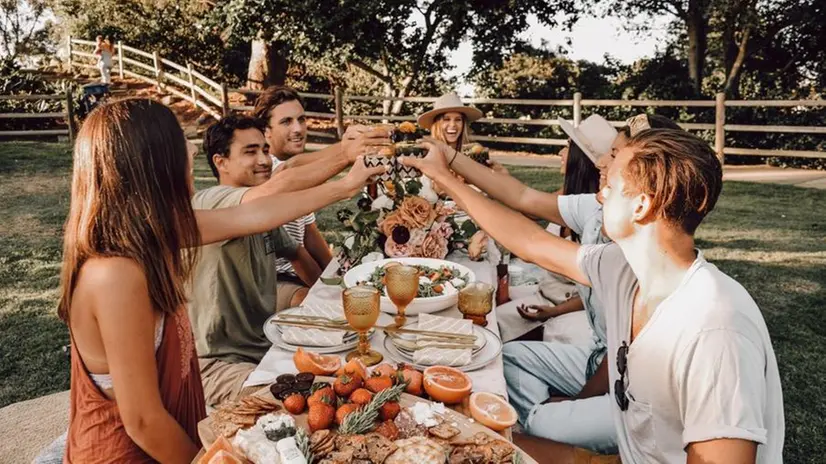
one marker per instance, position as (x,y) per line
(476,302)
(402,284)
(361,308)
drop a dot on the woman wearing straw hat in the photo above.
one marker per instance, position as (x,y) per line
(449,119)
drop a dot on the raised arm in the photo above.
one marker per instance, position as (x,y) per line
(311,169)
(506,188)
(271,211)
(513,230)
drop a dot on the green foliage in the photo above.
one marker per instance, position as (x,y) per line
(14,81)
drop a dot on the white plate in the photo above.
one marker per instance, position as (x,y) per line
(274,335)
(492,349)
(418,305)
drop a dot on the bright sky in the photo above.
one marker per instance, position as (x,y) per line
(591,39)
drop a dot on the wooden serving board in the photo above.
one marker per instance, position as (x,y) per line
(468,426)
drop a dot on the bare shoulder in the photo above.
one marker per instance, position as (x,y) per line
(111,276)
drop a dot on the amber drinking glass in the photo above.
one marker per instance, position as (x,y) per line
(361,308)
(476,302)
(402,284)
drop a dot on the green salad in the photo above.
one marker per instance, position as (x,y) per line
(433,281)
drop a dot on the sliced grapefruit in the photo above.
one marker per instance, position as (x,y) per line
(307,361)
(492,411)
(446,384)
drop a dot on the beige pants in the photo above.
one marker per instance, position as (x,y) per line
(224,381)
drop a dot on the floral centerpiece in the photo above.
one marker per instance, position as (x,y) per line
(405,215)
(408,219)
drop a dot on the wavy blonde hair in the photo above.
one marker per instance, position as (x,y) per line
(438,133)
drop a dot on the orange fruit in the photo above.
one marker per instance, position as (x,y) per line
(354,366)
(307,361)
(446,384)
(492,411)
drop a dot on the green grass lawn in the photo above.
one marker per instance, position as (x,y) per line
(771,238)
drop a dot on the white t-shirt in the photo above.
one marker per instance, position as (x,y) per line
(295,229)
(702,368)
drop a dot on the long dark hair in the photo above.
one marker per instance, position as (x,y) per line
(131,198)
(581,176)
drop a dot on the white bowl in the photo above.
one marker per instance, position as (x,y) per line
(418,305)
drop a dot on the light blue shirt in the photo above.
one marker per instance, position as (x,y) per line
(583,215)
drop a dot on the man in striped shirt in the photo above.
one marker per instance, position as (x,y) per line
(282,109)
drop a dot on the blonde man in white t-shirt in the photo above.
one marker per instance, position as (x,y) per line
(691,367)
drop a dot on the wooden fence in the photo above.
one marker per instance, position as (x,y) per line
(177,79)
(213,98)
(66,115)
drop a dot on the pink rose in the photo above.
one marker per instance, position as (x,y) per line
(412,248)
(434,246)
(442,229)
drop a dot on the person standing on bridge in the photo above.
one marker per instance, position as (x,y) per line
(104,51)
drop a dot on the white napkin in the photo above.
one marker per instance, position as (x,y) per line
(441,356)
(315,337)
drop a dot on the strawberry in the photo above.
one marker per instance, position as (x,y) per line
(413,379)
(346,384)
(295,403)
(389,410)
(378,382)
(344,410)
(320,416)
(385,369)
(325,393)
(361,396)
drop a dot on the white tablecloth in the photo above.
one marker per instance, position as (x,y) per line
(490,378)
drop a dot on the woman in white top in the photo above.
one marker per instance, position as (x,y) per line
(104,50)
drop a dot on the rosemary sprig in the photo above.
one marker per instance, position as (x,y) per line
(302,441)
(363,419)
(517,458)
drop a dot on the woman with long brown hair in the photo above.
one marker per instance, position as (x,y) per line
(136,393)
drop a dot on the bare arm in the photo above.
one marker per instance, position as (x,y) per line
(305,267)
(727,450)
(272,211)
(299,178)
(598,384)
(126,320)
(511,229)
(507,189)
(545,312)
(317,246)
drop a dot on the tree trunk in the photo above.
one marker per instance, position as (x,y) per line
(697,29)
(268,64)
(407,82)
(733,80)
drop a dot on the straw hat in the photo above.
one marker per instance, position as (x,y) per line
(594,135)
(448,103)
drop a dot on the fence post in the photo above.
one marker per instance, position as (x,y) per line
(69,47)
(720,127)
(224,99)
(191,82)
(156,59)
(577,109)
(120,58)
(70,115)
(339,102)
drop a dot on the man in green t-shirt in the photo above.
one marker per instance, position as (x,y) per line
(234,285)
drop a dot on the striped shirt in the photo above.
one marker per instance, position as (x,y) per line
(294,229)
